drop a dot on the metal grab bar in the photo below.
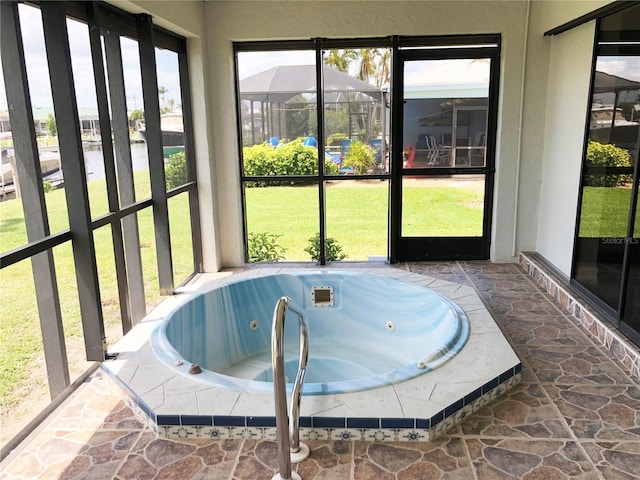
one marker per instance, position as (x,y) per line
(287,425)
(294,409)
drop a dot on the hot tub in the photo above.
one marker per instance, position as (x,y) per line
(365,331)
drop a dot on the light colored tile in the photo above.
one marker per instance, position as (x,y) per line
(364,404)
(347,434)
(216,401)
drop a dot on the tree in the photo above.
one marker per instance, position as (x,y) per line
(368,66)
(162,91)
(340,59)
(52,129)
(136,115)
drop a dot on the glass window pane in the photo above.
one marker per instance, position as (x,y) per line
(607,178)
(181,238)
(443,207)
(282,222)
(356,110)
(357,219)
(445,112)
(278,112)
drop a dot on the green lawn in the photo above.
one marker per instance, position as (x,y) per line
(357,215)
(20,338)
(605,211)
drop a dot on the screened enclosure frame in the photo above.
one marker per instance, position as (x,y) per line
(110,23)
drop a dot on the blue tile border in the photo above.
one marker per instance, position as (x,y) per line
(226,426)
(229,421)
(328,422)
(197,420)
(363,422)
(398,422)
(261,421)
(168,420)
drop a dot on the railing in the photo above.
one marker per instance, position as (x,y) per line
(289,446)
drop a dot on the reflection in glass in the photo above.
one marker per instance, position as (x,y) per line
(607,178)
(443,207)
(281,221)
(357,217)
(278,112)
(445,112)
(356,110)
(632,305)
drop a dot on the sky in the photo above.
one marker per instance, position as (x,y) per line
(250,63)
(38,73)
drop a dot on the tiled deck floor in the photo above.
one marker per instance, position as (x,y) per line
(575,415)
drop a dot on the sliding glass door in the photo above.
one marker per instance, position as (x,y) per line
(607,246)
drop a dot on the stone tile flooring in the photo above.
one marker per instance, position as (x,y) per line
(576,415)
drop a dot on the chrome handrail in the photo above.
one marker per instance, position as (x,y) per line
(287,425)
(294,410)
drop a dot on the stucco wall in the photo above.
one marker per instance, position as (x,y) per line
(237,21)
(559,12)
(567,101)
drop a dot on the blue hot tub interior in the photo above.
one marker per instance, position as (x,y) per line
(374,331)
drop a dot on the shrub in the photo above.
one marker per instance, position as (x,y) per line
(175,171)
(606,155)
(360,157)
(263,247)
(47,186)
(292,158)
(336,139)
(332,251)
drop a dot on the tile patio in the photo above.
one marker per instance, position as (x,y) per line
(576,415)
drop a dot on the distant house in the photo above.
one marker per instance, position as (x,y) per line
(89,122)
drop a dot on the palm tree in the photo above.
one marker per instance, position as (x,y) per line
(161,92)
(367,63)
(340,58)
(383,67)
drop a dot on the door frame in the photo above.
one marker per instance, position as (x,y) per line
(441,248)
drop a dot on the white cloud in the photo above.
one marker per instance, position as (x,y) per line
(625,67)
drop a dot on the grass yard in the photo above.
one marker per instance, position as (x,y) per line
(605,211)
(357,214)
(21,363)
